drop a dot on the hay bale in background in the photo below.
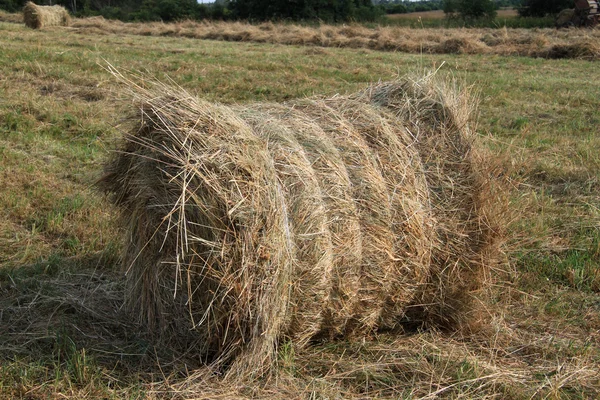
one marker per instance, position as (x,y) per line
(37,17)
(248,225)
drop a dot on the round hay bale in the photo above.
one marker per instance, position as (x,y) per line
(565,18)
(249,225)
(37,17)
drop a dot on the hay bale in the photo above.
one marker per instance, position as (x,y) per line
(37,17)
(249,225)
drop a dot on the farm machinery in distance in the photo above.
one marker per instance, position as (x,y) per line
(585,14)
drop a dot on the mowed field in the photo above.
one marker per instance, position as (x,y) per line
(426,36)
(64,334)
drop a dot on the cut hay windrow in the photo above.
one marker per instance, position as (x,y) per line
(543,42)
(38,17)
(250,225)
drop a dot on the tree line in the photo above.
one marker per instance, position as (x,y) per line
(487,8)
(474,9)
(331,11)
(406,6)
(255,10)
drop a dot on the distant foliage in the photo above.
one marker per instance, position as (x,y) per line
(541,8)
(396,9)
(509,3)
(408,6)
(172,10)
(402,7)
(324,10)
(470,9)
(12,5)
(132,10)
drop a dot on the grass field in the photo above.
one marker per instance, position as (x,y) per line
(63,333)
(505,17)
(439,14)
(407,35)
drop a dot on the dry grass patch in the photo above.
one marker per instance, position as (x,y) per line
(545,43)
(585,50)
(439,14)
(11,17)
(522,42)
(90,348)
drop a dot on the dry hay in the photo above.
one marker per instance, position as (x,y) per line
(503,41)
(11,17)
(37,17)
(583,49)
(465,203)
(459,45)
(252,225)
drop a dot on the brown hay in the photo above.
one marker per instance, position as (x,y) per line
(503,41)
(37,17)
(586,50)
(466,234)
(11,17)
(251,225)
(459,46)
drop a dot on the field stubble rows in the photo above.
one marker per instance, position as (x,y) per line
(544,43)
(62,330)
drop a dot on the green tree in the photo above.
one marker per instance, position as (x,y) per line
(325,10)
(12,5)
(398,8)
(450,7)
(470,9)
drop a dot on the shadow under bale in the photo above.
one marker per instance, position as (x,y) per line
(249,225)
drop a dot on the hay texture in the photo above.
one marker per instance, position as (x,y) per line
(38,17)
(250,225)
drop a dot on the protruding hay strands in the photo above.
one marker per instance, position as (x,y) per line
(37,17)
(249,225)
(468,218)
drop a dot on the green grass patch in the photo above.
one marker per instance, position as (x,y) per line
(498,22)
